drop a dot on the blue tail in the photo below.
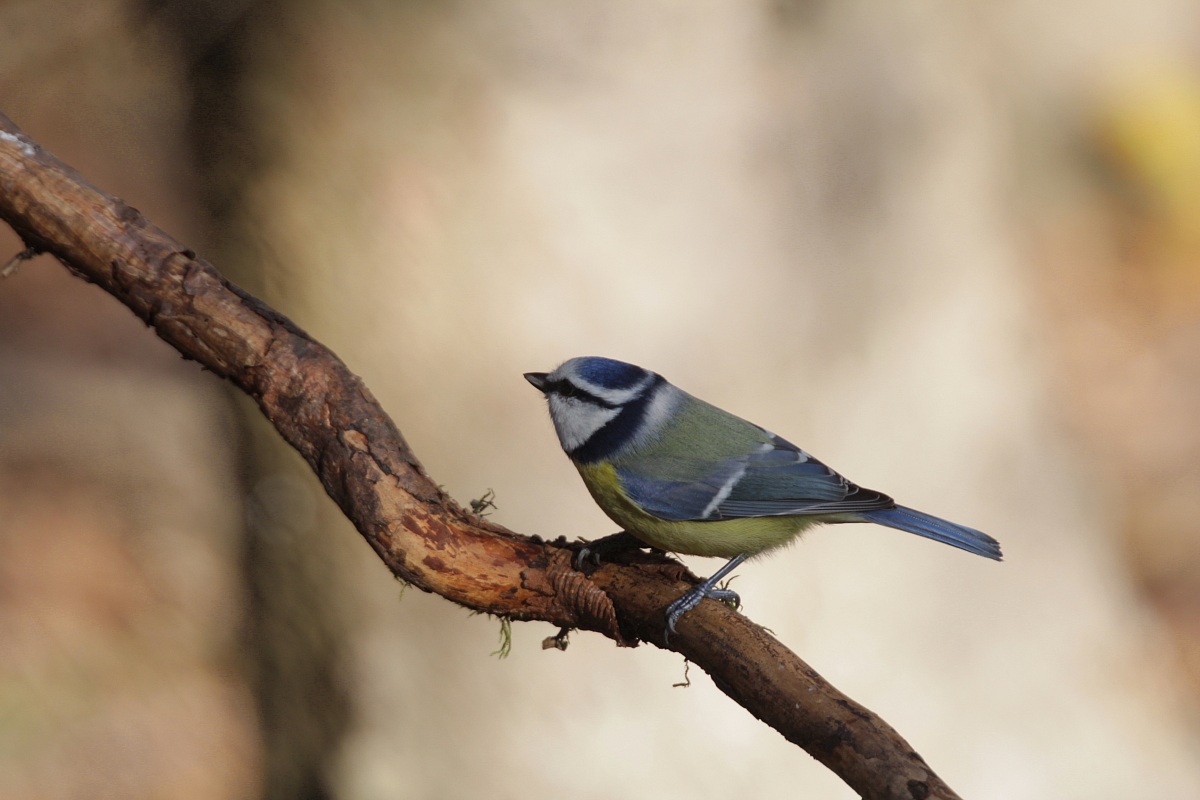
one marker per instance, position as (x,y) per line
(960,536)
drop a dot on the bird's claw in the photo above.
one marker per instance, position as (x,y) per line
(692,599)
(592,551)
(585,555)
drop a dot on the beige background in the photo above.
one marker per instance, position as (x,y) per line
(948,248)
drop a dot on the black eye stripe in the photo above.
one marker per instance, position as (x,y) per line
(564,388)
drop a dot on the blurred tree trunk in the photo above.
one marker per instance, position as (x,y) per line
(121,586)
(295,632)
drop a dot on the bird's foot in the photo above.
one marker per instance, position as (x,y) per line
(592,551)
(693,598)
(697,593)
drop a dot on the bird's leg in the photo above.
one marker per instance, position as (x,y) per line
(617,542)
(703,590)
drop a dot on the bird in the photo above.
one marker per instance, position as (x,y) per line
(681,475)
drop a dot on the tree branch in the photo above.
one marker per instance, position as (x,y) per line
(326,413)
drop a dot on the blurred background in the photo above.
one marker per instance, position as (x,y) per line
(952,249)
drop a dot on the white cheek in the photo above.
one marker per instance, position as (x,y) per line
(576,420)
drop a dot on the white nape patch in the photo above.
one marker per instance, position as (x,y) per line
(576,420)
(723,493)
(659,410)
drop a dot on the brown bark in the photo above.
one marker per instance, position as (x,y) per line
(326,413)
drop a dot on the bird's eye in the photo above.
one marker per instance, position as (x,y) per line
(568,389)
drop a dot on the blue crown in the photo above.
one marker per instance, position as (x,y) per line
(609,373)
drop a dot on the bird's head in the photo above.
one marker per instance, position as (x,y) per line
(598,405)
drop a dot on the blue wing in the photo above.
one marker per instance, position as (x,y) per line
(778,480)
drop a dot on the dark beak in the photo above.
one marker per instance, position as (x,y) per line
(538,379)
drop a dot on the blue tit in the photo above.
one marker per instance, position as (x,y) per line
(682,475)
